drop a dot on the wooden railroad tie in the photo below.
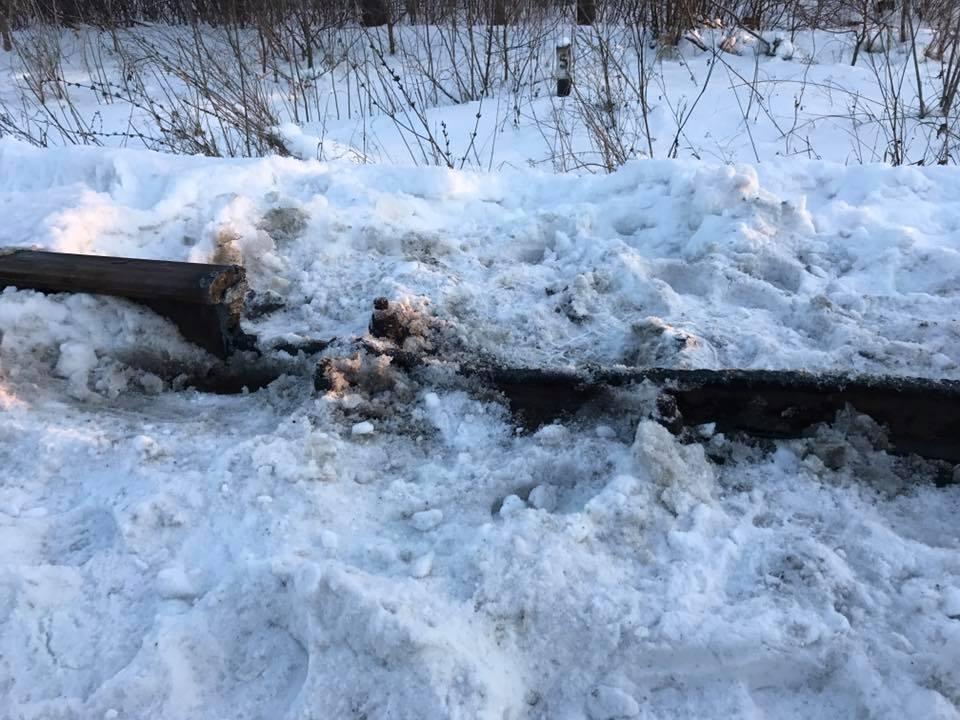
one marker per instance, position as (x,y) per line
(921,415)
(204,301)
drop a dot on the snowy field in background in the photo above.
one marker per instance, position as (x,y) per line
(429,105)
(169,554)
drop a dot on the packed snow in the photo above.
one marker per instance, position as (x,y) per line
(669,263)
(397,546)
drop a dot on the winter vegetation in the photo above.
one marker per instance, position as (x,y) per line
(748,184)
(461,84)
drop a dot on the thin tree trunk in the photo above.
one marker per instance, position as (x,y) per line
(374,13)
(499,12)
(586,12)
(5,34)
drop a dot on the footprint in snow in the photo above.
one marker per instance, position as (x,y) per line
(76,537)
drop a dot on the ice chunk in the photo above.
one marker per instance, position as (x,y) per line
(362,428)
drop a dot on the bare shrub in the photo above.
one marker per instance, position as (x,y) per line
(219,77)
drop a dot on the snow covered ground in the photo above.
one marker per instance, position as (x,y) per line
(171,554)
(406,552)
(791,265)
(802,100)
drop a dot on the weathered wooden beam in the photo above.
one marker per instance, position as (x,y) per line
(132,278)
(204,301)
(921,415)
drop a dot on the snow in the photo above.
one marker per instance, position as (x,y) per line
(397,547)
(805,101)
(362,428)
(172,554)
(611,702)
(951,602)
(544,497)
(791,264)
(427,519)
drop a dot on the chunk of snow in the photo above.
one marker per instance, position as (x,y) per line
(512,504)
(951,602)
(329,539)
(426,519)
(351,401)
(148,448)
(785,50)
(76,359)
(607,703)
(544,497)
(605,431)
(422,566)
(176,583)
(552,435)
(362,428)
(683,472)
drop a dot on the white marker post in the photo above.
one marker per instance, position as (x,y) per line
(564,63)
